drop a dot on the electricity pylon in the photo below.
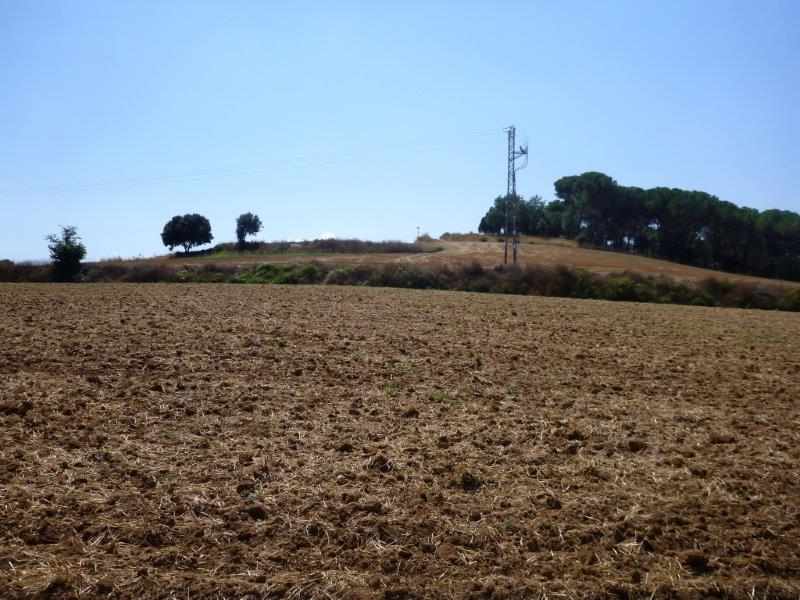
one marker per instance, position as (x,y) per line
(514,154)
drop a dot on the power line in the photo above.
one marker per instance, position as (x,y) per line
(514,154)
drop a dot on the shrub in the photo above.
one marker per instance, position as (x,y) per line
(150,274)
(716,288)
(790,300)
(283,274)
(105,272)
(340,276)
(12,272)
(211,273)
(702,299)
(473,269)
(66,253)
(619,287)
(308,273)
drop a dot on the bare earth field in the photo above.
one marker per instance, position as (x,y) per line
(217,441)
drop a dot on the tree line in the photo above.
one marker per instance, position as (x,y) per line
(192,230)
(690,227)
(187,231)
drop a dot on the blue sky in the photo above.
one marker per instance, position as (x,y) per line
(366,119)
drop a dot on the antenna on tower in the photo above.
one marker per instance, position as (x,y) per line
(514,154)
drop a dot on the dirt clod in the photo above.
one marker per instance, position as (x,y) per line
(698,471)
(256,511)
(380,463)
(372,506)
(246,488)
(637,445)
(470,482)
(553,503)
(446,551)
(576,435)
(697,562)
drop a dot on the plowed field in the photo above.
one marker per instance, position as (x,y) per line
(251,442)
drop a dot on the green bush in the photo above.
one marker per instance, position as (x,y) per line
(259,274)
(308,273)
(619,288)
(340,276)
(66,253)
(790,300)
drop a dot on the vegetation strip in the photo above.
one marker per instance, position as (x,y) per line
(560,281)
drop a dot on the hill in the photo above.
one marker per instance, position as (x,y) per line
(687,226)
(547,267)
(455,249)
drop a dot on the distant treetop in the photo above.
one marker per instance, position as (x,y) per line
(684,226)
(246,224)
(187,231)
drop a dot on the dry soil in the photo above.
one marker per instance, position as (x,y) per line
(217,441)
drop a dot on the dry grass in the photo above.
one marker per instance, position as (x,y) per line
(463,249)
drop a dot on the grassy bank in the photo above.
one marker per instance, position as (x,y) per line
(530,280)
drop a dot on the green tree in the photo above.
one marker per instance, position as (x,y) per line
(687,226)
(589,199)
(66,252)
(495,219)
(186,231)
(246,224)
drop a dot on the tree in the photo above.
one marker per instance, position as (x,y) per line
(687,226)
(495,219)
(247,224)
(590,200)
(187,231)
(66,251)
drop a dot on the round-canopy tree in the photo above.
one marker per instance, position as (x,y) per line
(187,231)
(246,224)
(66,252)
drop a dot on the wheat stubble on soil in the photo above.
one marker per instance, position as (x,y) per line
(319,442)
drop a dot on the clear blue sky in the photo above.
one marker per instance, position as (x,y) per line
(366,119)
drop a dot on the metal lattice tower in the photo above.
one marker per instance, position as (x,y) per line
(511,191)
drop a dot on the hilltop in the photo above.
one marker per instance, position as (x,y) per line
(463,249)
